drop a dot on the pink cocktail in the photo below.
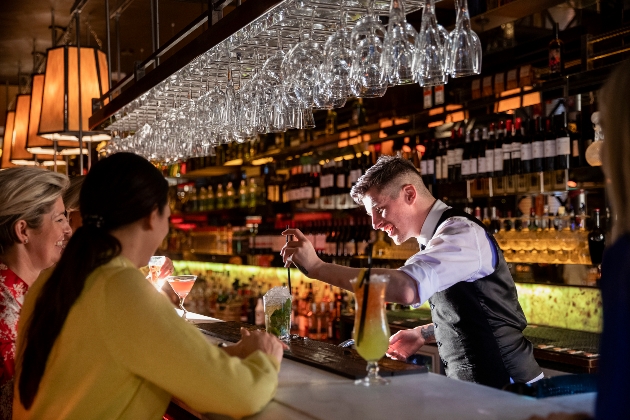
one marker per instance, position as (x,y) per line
(182,285)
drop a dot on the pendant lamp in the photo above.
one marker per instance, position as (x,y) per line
(37,144)
(19,154)
(59,119)
(7,141)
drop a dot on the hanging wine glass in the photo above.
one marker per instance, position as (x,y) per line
(465,54)
(429,63)
(399,46)
(338,60)
(272,72)
(367,39)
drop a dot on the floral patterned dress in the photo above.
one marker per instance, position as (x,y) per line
(12,291)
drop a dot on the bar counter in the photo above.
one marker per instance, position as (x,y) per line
(306,392)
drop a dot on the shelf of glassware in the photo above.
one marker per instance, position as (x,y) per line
(546,240)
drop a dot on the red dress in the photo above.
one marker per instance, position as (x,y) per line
(12,291)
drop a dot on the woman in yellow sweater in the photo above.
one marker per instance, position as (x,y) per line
(97,341)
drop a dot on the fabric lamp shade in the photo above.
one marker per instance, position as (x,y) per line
(37,144)
(59,116)
(7,141)
(19,154)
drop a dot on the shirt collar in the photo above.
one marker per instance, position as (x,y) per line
(426,233)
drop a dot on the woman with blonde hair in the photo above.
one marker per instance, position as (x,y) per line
(33,233)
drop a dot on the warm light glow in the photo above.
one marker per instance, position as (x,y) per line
(262,161)
(60,104)
(532,99)
(8,140)
(234,162)
(436,111)
(571,184)
(354,140)
(367,137)
(398,121)
(386,123)
(19,154)
(382,134)
(453,107)
(435,124)
(456,117)
(420,148)
(406,149)
(342,143)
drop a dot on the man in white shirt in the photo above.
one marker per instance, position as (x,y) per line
(477,320)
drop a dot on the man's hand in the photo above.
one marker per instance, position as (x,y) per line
(300,251)
(257,340)
(407,342)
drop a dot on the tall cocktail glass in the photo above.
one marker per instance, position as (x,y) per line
(371,334)
(277,305)
(155,267)
(181,286)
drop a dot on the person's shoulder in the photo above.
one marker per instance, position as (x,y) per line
(458,225)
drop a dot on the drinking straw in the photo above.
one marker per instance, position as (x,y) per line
(365,282)
(289,268)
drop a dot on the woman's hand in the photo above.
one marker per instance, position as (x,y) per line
(167,268)
(257,340)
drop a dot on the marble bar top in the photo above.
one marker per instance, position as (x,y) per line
(305,392)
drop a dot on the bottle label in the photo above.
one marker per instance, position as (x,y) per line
(576,148)
(526,151)
(563,146)
(538,150)
(341,180)
(465,167)
(550,148)
(326,181)
(516,150)
(450,157)
(438,167)
(473,167)
(430,167)
(481,165)
(459,156)
(444,168)
(507,151)
(498,160)
(489,160)
(555,59)
(423,167)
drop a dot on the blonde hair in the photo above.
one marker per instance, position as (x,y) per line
(26,193)
(615,118)
(71,196)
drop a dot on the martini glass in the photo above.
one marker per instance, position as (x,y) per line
(181,286)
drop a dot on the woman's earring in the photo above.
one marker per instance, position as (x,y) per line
(25,241)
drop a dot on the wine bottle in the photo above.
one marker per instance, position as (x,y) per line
(438,161)
(498,150)
(475,150)
(556,53)
(538,146)
(563,143)
(450,159)
(466,157)
(550,147)
(485,161)
(526,147)
(507,148)
(459,156)
(517,142)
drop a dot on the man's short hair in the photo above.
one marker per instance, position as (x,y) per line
(385,171)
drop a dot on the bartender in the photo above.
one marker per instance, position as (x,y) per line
(477,320)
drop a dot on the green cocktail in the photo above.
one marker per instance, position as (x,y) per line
(278,303)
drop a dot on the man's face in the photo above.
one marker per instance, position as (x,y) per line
(391,215)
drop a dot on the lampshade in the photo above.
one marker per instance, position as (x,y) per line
(37,144)
(59,118)
(8,141)
(19,154)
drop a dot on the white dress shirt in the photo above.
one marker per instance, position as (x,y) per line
(460,250)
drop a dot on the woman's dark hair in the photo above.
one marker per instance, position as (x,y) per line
(119,190)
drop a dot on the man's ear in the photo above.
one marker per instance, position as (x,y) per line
(410,193)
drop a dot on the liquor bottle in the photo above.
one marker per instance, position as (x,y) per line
(596,241)
(526,147)
(459,156)
(358,118)
(331,122)
(243,194)
(517,143)
(438,161)
(498,150)
(563,142)
(581,134)
(556,54)
(341,201)
(220,197)
(538,146)
(445,161)
(450,159)
(427,163)
(485,161)
(550,147)
(210,203)
(507,148)
(466,157)
(475,151)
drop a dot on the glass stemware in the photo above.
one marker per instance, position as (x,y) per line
(182,285)
(371,330)
(429,62)
(465,47)
(367,75)
(399,46)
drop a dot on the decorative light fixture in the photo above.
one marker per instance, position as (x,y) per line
(19,154)
(37,144)
(59,118)
(8,141)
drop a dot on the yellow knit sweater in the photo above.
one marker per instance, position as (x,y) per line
(123,352)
